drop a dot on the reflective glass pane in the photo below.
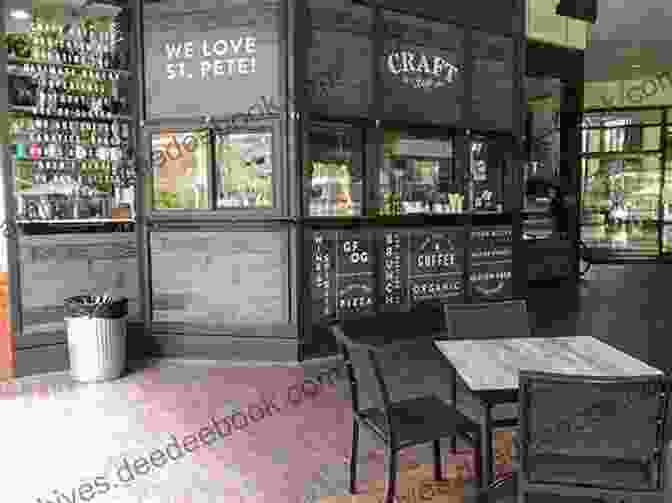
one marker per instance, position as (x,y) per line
(651,138)
(667,194)
(620,203)
(333,178)
(614,119)
(245,170)
(591,141)
(419,176)
(667,239)
(180,163)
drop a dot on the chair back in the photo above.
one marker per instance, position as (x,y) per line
(366,342)
(599,432)
(487,320)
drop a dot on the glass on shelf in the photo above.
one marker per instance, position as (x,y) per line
(67,123)
(418,176)
(245,170)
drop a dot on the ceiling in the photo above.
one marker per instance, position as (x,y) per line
(627,33)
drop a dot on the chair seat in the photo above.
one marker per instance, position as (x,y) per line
(421,420)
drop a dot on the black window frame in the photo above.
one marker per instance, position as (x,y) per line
(278,177)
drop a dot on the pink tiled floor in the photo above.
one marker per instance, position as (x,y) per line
(294,448)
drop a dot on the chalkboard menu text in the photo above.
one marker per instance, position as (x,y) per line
(491,251)
(358,271)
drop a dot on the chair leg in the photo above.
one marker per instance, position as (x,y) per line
(438,473)
(487,440)
(353,457)
(453,397)
(391,486)
(478,461)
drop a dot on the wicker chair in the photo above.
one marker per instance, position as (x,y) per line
(404,423)
(593,437)
(487,321)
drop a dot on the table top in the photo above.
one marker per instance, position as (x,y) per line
(493,364)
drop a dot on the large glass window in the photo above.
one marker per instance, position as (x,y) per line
(490,180)
(626,189)
(180,162)
(620,203)
(419,175)
(244,170)
(333,181)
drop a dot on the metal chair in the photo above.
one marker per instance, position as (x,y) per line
(487,321)
(593,437)
(404,423)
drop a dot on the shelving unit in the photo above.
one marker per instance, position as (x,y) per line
(69,122)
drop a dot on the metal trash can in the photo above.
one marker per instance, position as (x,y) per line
(96,328)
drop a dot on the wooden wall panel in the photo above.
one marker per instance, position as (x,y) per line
(213,81)
(60,266)
(220,279)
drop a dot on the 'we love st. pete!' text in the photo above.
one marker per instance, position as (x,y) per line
(221,58)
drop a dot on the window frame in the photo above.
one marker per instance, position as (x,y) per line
(359,133)
(278,177)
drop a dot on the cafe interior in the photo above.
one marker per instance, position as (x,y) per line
(360,251)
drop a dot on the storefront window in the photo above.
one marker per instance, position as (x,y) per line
(419,176)
(620,203)
(612,118)
(490,180)
(245,170)
(180,163)
(333,182)
(621,136)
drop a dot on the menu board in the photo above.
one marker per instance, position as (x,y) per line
(343,278)
(355,272)
(436,265)
(365,271)
(491,271)
(418,266)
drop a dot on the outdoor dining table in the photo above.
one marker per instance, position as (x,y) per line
(490,367)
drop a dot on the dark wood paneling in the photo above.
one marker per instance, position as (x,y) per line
(232,89)
(498,16)
(493,83)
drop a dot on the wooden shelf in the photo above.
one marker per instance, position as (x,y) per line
(82,68)
(29,110)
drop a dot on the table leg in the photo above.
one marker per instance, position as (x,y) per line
(488,455)
(453,397)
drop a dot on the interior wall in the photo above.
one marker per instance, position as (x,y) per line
(646,91)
